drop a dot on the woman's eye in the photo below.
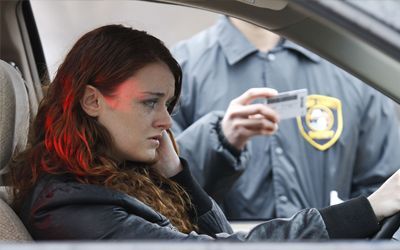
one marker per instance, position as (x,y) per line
(150,103)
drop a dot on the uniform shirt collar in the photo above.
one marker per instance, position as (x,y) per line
(233,43)
(305,52)
(236,46)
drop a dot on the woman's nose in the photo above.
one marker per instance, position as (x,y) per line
(164,120)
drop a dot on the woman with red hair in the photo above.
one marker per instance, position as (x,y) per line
(102,164)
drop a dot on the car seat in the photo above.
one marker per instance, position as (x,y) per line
(14,125)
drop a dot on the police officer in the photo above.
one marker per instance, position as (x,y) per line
(345,144)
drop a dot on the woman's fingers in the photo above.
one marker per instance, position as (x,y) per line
(168,163)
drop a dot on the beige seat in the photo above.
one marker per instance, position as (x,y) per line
(11,227)
(14,114)
(14,124)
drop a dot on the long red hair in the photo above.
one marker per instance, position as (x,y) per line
(64,139)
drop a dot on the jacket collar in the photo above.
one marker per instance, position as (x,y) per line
(305,52)
(236,46)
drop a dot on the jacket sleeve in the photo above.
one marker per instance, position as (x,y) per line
(209,158)
(306,224)
(205,212)
(378,145)
(213,165)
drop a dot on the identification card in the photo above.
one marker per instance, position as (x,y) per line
(289,104)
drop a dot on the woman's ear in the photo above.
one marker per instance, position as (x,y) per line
(90,101)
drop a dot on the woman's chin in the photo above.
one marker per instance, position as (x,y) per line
(148,157)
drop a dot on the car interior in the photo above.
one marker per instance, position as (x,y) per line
(13,137)
(23,66)
(19,99)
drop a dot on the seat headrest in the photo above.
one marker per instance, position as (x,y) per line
(14,113)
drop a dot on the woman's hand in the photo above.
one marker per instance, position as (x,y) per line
(244,120)
(386,200)
(168,163)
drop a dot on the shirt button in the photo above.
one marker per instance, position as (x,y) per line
(279,150)
(283,198)
(271,57)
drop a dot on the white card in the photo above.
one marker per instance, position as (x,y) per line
(289,104)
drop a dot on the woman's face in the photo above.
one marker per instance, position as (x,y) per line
(136,114)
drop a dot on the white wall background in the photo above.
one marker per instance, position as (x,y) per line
(61,23)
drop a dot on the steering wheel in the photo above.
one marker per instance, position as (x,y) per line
(389,226)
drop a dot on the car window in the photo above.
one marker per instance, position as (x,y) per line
(385,11)
(71,19)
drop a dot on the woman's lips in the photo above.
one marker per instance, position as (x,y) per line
(155,140)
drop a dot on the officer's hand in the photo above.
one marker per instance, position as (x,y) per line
(243,120)
(386,200)
(168,163)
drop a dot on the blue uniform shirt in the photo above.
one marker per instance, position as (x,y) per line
(347,141)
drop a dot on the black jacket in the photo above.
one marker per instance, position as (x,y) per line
(59,208)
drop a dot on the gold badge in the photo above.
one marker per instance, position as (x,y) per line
(323,123)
